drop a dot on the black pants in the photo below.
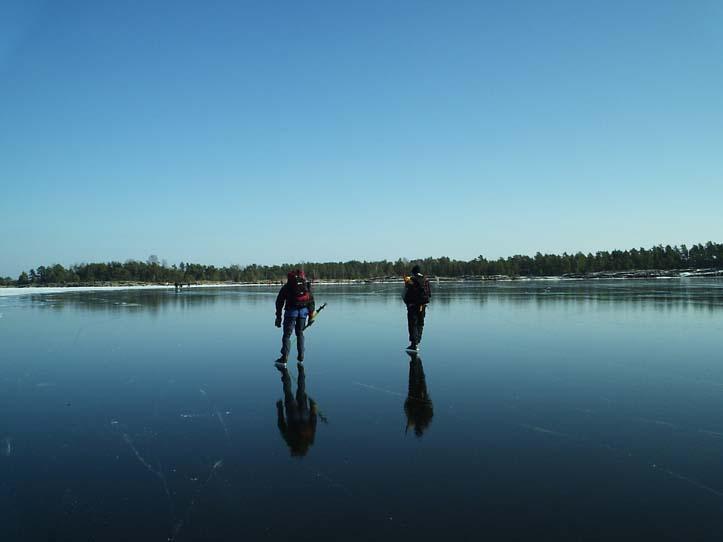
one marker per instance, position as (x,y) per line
(415,321)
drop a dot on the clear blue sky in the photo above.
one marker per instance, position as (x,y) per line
(267,132)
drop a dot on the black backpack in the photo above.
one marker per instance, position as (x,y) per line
(419,291)
(425,294)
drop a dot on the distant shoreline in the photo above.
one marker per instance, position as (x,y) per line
(613,275)
(658,261)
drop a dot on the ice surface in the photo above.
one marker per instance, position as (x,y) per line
(540,392)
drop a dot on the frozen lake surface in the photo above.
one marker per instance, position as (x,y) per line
(560,410)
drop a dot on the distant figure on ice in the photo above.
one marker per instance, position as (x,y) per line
(418,406)
(297,301)
(298,426)
(417,294)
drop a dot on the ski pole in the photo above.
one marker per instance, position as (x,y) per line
(314,319)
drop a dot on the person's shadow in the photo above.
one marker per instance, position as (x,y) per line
(296,415)
(418,405)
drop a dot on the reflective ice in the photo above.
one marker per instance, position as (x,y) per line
(566,410)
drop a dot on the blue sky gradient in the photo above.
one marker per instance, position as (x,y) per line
(239,132)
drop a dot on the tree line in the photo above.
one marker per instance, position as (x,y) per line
(708,255)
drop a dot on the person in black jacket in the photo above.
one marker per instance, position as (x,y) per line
(417,294)
(297,302)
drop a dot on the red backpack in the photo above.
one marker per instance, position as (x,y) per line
(299,289)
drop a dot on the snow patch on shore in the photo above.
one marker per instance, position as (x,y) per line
(5,292)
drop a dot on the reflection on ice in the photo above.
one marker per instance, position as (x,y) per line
(296,414)
(418,406)
(7,447)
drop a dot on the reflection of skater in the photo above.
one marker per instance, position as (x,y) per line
(417,294)
(298,427)
(418,406)
(297,301)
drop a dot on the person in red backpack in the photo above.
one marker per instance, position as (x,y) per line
(297,302)
(417,294)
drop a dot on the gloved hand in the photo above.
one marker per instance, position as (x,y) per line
(310,319)
(278,321)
